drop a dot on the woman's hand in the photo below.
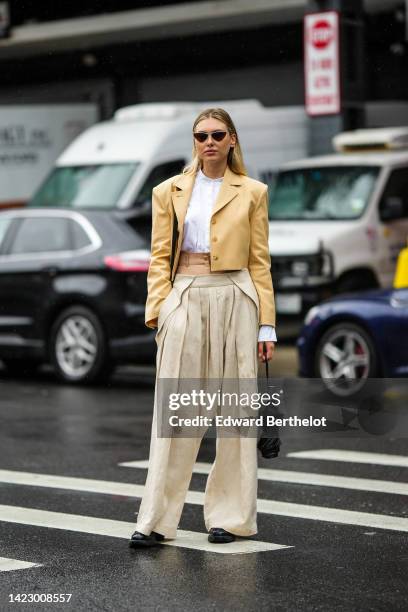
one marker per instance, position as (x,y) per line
(267,352)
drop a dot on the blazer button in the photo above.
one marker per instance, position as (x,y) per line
(215,239)
(215,257)
(213,221)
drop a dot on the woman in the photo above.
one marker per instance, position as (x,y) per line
(212,322)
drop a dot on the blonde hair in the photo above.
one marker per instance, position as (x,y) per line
(235,158)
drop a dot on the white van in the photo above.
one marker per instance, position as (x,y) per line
(115,164)
(338,222)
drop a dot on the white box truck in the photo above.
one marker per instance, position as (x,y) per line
(115,164)
(338,221)
(32,136)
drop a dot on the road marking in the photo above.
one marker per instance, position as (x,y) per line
(331,454)
(69,483)
(309,512)
(9,565)
(307,478)
(122,529)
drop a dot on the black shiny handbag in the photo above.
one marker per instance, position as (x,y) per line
(269,447)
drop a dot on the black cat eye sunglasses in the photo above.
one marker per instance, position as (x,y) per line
(218,135)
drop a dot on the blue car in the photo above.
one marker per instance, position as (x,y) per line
(352,337)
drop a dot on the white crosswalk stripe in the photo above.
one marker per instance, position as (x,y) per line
(198,541)
(303,511)
(328,454)
(122,529)
(307,478)
(9,565)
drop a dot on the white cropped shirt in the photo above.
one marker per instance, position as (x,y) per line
(196,234)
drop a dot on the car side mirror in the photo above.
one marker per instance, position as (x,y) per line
(393,208)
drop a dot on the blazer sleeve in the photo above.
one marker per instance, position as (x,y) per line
(259,264)
(158,276)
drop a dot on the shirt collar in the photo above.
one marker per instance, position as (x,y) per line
(202,177)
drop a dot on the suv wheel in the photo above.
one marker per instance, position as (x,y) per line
(78,346)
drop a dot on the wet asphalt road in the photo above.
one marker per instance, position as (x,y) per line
(47,428)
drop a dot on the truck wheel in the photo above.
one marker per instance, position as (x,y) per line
(345,358)
(78,348)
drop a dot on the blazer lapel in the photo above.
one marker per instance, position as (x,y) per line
(228,191)
(181,197)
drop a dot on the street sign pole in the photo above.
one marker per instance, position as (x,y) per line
(333,37)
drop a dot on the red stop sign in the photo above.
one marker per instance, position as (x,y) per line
(321,34)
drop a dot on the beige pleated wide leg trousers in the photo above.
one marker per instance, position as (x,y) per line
(207,327)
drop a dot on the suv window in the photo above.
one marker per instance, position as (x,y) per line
(35,235)
(159,174)
(80,238)
(395,197)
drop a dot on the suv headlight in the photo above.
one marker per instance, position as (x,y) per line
(315,265)
(300,268)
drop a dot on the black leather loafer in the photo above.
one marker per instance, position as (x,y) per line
(140,540)
(220,536)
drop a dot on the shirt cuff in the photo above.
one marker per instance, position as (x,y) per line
(267,333)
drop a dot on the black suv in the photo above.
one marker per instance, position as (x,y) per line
(72,292)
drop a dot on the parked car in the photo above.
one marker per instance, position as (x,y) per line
(347,339)
(73,292)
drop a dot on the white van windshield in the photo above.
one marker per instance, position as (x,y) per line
(96,186)
(335,193)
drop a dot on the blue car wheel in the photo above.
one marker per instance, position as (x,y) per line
(345,358)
